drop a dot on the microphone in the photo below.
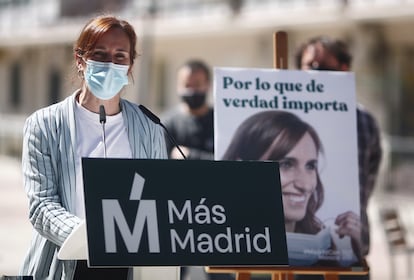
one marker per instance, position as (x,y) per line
(102,120)
(157,120)
(102,114)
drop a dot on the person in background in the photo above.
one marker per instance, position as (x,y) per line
(192,127)
(58,136)
(191,122)
(325,53)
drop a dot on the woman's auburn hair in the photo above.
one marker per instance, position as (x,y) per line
(96,28)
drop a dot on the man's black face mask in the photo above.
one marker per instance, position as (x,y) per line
(194,99)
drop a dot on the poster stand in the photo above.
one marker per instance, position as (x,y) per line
(280,61)
(288,273)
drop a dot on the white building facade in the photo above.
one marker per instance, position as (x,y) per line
(37,67)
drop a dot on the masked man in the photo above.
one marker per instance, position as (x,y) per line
(191,123)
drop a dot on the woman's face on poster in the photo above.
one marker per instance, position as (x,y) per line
(298,176)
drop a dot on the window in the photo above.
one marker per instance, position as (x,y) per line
(16,85)
(54,86)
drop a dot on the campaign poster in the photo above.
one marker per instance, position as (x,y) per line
(305,120)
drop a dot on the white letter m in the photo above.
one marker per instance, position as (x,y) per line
(146,213)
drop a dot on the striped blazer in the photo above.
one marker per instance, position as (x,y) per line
(48,163)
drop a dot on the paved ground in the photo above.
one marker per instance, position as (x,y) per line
(15,230)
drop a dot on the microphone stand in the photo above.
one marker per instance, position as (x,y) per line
(157,120)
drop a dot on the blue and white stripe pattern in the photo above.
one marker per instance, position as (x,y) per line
(48,161)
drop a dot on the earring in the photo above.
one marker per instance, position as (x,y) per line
(80,73)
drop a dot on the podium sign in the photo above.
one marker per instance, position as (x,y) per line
(145,212)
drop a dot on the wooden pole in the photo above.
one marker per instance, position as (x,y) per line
(242,276)
(280,50)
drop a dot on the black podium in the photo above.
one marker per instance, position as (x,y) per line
(144,212)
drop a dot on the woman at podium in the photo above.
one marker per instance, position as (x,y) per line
(94,121)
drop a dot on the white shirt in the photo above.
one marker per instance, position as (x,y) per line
(90,144)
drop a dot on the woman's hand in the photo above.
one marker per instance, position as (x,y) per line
(349,224)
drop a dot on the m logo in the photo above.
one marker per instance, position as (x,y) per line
(146,214)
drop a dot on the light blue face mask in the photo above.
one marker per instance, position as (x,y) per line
(105,79)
